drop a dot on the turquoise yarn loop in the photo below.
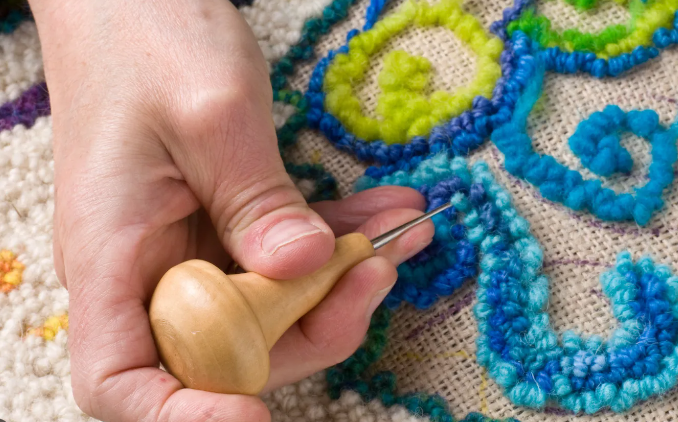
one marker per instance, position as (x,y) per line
(596,142)
(533,364)
(440,179)
(523,354)
(583,374)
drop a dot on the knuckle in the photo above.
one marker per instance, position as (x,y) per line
(219,112)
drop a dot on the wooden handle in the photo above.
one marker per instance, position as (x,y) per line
(213,331)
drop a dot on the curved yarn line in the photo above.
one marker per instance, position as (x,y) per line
(460,136)
(589,4)
(612,41)
(352,375)
(25,110)
(558,183)
(439,179)
(517,343)
(303,49)
(597,142)
(560,60)
(405,110)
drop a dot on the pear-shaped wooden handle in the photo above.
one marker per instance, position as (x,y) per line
(213,331)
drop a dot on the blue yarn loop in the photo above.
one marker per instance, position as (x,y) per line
(596,142)
(567,62)
(525,356)
(453,256)
(517,343)
(450,260)
(483,236)
(511,13)
(459,136)
(372,14)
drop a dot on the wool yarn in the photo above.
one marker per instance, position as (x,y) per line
(406,111)
(479,204)
(11,271)
(11,21)
(608,53)
(646,19)
(474,240)
(588,4)
(303,49)
(516,342)
(280,24)
(460,135)
(597,144)
(12,14)
(35,373)
(525,356)
(20,61)
(32,104)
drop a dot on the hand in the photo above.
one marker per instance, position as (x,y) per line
(165,151)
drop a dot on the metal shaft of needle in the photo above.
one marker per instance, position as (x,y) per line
(380,241)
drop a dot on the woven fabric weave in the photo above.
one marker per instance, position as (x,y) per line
(431,351)
(434,351)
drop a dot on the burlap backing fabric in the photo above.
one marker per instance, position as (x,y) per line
(433,351)
(430,351)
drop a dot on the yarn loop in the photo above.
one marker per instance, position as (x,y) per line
(597,143)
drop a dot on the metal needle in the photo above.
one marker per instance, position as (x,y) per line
(380,241)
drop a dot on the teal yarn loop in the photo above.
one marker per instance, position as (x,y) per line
(287,134)
(534,365)
(582,374)
(303,50)
(325,185)
(480,206)
(596,142)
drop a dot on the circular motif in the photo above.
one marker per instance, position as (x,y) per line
(405,110)
(597,143)
(609,52)
(459,135)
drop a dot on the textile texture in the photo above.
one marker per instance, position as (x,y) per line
(432,349)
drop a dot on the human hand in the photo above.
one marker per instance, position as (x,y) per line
(165,151)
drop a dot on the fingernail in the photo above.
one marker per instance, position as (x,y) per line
(285,233)
(378,298)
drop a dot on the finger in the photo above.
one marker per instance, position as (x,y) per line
(334,329)
(261,218)
(225,144)
(347,215)
(409,243)
(57,250)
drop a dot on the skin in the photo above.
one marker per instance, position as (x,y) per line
(164,151)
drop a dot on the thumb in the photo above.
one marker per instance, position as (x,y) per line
(228,154)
